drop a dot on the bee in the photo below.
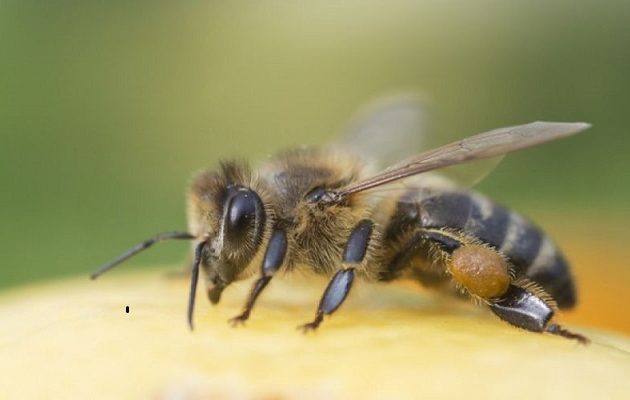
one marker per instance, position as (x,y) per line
(329,210)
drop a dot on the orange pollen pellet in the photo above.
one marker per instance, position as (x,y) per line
(480,270)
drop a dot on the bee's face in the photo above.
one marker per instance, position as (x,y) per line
(240,229)
(232,217)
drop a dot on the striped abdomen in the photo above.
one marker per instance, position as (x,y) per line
(531,252)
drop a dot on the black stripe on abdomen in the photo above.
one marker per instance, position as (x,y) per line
(551,271)
(488,222)
(469,213)
(535,256)
(450,209)
(522,243)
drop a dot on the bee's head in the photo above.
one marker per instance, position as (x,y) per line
(228,221)
(227,210)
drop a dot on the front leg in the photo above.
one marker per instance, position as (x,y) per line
(341,283)
(274,257)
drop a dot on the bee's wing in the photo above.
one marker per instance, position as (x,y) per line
(395,127)
(387,130)
(481,146)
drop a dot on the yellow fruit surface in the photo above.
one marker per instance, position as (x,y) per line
(73,339)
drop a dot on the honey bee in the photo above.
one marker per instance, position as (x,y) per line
(326,209)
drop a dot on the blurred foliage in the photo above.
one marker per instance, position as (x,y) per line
(107,107)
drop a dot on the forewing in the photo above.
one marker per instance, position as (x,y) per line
(481,146)
(393,128)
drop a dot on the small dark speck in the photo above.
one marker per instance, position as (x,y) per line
(127,309)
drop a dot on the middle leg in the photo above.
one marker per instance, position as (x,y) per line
(341,283)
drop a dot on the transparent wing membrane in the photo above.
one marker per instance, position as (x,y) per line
(387,130)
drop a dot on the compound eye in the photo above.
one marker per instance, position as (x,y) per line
(241,214)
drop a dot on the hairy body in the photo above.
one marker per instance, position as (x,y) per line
(411,230)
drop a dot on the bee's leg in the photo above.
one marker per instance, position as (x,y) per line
(556,329)
(524,309)
(274,257)
(416,247)
(258,287)
(340,285)
(520,306)
(336,292)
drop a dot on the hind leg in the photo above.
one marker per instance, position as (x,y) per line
(482,273)
(524,309)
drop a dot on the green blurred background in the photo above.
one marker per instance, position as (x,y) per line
(107,107)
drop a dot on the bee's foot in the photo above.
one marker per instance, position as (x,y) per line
(306,328)
(312,326)
(238,320)
(556,329)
